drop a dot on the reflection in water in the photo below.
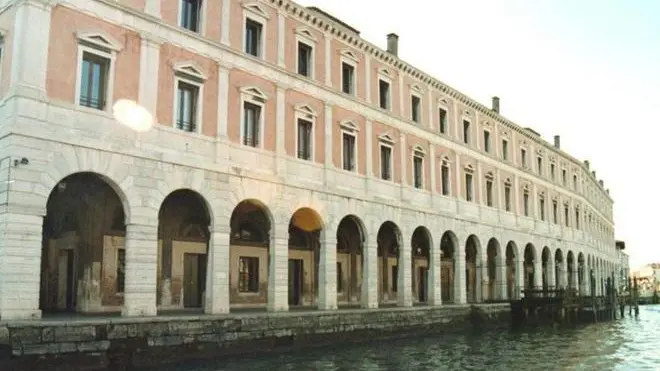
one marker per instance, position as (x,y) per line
(628,344)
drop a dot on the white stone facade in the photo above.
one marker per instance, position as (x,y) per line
(60,138)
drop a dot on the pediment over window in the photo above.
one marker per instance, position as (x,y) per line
(467,112)
(490,175)
(190,68)
(350,55)
(418,150)
(523,143)
(469,168)
(443,101)
(349,125)
(525,188)
(305,110)
(445,160)
(540,151)
(504,133)
(386,138)
(416,88)
(254,92)
(507,182)
(99,39)
(306,33)
(553,159)
(257,10)
(542,194)
(385,72)
(486,123)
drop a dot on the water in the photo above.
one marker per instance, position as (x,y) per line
(629,344)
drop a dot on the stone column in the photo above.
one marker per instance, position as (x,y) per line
(538,272)
(404,277)
(434,284)
(149,63)
(225,22)
(29,61)
(328,163)
(20,265)
(502,279)
(519,283)
(280,131)
(483,280)
(432,161)
(327,39)
(223,99)
(550,272)
(141,268)
(369,149)
(217,271)
(367,78)
(328,271)
(278,269)
(460,290)
(281,39)
(369,294)
(563,281)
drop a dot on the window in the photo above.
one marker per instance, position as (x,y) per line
(186,106)
(566,216)
(348,152)
(385,162)
(253,38)
(539,164)
(563,177)
(542,208)
(575,182)
(305,59)
(468,187)
(94,79)
(415,108)
(190,14)
(487,141)
(248,274)
(466,132)
(489,192)
(304,139)
(418,169)
(444,173)
(395,279)
(251,124)
(523,158)
(505,150)
(442,114)
(555,216)
(526,203)
(507,197)
(347,78)
(340,278)
(552,171)
(384,94)
(121,270)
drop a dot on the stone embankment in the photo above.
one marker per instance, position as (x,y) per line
(119,343)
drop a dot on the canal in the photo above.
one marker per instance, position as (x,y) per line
(627,344)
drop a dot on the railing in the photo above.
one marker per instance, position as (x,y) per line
(90,102)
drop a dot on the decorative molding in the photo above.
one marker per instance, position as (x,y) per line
(254,91)
(418,150)
(386,138)
(507,182)
(305,110)
(306,33)
(350,55)
(190,68)
(416,88)
(99,39)
(385,72)
(490,176)
(443,101)
(256,9)
(469,168)
(349,125)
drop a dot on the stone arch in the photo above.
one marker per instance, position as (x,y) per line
(559,269)
(529,257)
(421,242)
(512,281)
(448,274)
(305,228)
(351,236)
(84,230)
(472,269)
(494,262)
(389,243)
(193,180)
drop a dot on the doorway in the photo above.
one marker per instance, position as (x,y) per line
(66,291)
(422,278)
(194,278)
(295,281)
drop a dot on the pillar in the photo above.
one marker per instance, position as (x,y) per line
(223,99)
(278,269)
(281,38)
(141,268)
(280,131)
(434,284)
(328,271)
(149,63)
(460,291)
(404,278)
(483,279)
(217,271)
(519,282)
(20,265)
(538,272)
(369,294)
(502,279)
(225,22)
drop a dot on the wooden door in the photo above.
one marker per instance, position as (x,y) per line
(191,292)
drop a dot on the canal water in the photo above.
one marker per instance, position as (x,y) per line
(629,344)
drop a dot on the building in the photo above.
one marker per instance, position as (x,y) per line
(293,164)
(623,274)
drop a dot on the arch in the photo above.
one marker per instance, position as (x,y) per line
(529,257)
(351,235)
(389,244)
(84,227)
(305,229)
(420,243)
(494,259)
(512,281)
(448,273)
(472,272)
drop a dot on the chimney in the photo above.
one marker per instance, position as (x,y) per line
(593,173)
(393,44)
(496,104)
(557,142)
(602,184)
(586,163)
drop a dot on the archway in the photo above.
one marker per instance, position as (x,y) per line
(559,269)
(530,271)
(570,266)
(512,284)
(350,239)
(183,241)
(581,274)
(494,276)
(472,274)
(305,229)
(249,259)
(389,248)
(83,247)
(448,248)
(421,263)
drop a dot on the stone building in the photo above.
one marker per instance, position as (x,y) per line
(293,164)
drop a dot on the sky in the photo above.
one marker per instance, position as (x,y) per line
(586,70)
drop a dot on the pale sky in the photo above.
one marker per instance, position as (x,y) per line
(588,70)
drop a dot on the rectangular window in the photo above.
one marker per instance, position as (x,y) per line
(577,218)
(348,152)
(415,108)
(523,158)
(94,81)
(248,274)
(445,180)
(305,53)
(418,172)
(466,132)
(563,177)
(555,213)
(552,171)
(384,94)
(190,11)
(575,182)
(253,37)
(539,165)
(187,100)
(251,124)
(505,150)
(489,193)
(304,139)
(526,204)
(121,270)
(507,198)
(340,278)
(347,78)
(542,209)
(566,216)
(385,162)
(442,113)
(487,141)
(468,187)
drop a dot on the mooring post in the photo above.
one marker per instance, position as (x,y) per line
(592,283)
(636,297)
(630,296)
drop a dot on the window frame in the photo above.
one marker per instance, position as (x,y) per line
(488,147)
(541,210)
(469,191)
(100,45)
(524,153)
(490,193)
(257,97)
(525,201)
(305,37)
(200,16)
(507,196)
(443,107)
(385,141)
(418,153)
(255,13)
(347,57)
(415,93)
(189,73)
(445,163)
(306,113)
(348,127)
(466,139)
(385,76)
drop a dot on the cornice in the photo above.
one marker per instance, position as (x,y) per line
(330,27)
